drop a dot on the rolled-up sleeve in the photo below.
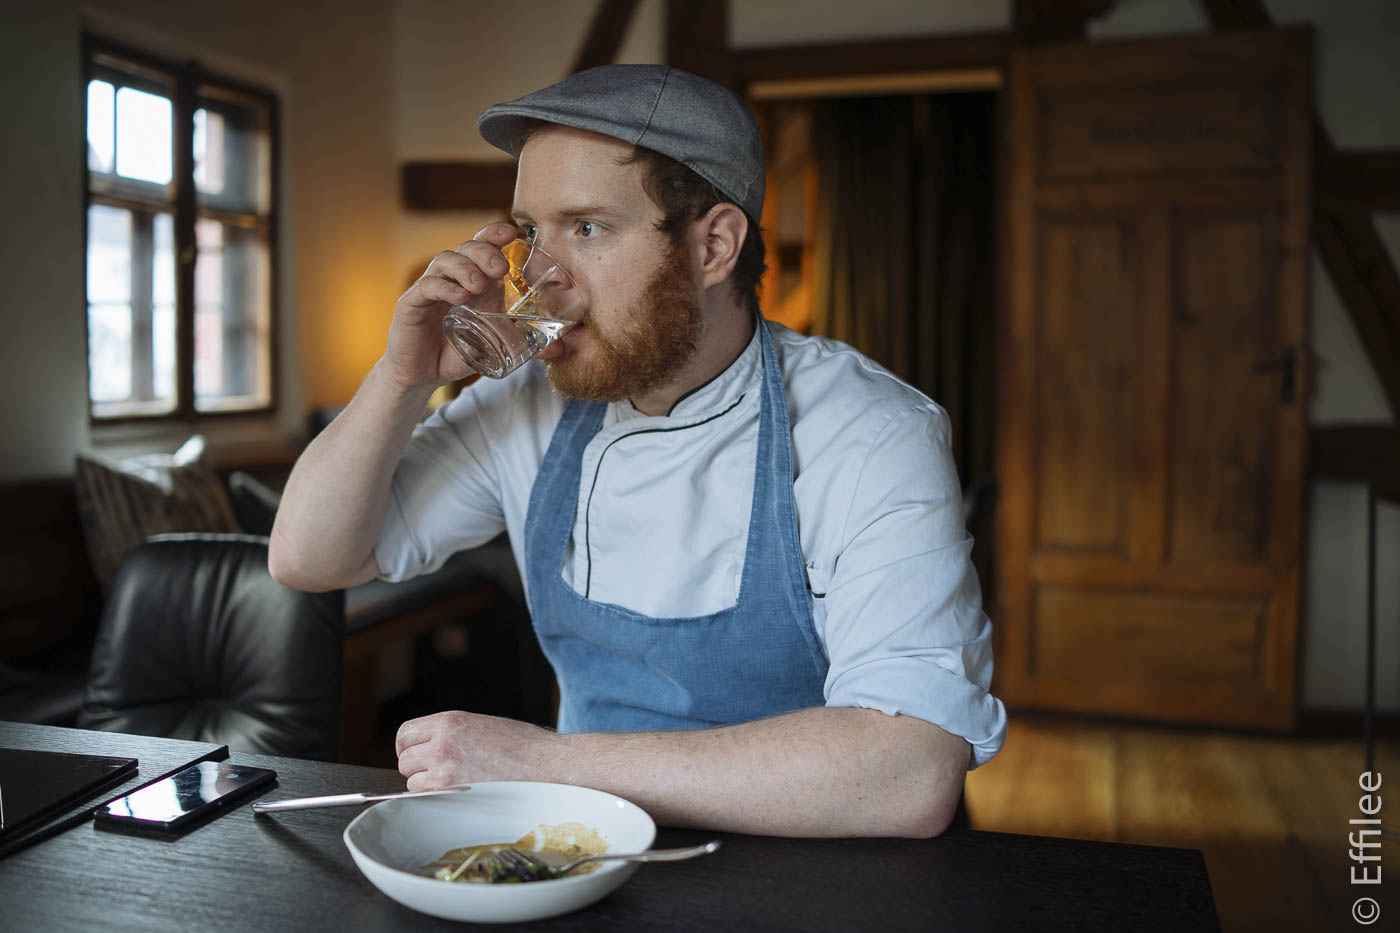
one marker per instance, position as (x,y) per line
(444,497)
(903,623)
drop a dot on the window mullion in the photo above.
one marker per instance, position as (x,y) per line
(185,249)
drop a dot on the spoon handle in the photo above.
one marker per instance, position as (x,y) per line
(651,855)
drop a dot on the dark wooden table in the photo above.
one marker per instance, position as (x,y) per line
(293,872)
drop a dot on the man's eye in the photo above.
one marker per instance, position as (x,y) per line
(585,228)
(531,231)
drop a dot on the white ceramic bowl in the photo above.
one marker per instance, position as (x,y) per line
(390,839)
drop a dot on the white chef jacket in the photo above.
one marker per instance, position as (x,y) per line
(663,514)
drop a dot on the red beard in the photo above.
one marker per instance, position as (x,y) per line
(653,339)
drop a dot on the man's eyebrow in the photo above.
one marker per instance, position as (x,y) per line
(568,213)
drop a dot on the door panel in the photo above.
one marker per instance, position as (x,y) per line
(1088,265)
(1113,635)
(1224,389)
(1167,128)
(1152,430)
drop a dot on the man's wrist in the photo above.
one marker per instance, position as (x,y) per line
(555,757)
(400,391)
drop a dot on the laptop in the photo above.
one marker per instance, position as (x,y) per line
(36,785)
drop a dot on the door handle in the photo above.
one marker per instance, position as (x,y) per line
(1286,362)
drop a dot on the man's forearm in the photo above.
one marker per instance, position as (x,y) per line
(817,772)
(333,506)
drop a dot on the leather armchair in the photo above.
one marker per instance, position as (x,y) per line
(197,641)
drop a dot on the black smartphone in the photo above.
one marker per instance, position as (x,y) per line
(186,799)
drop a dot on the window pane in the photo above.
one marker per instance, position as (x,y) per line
(209,152)
(232,365)
(131,311)
(208,308)
(163,307)
(163,268)
(108,255)
(100,123)
(109,303)
(144,149)
(109,352)
(233,151)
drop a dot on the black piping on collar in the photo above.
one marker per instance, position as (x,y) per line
(730,365)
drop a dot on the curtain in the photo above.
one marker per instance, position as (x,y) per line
(904,248)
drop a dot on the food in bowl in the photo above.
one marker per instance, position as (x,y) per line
(553,845)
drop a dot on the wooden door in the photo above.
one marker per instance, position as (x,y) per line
(1153,419)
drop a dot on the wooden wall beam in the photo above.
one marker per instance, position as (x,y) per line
(888,56)
(606,32)
(1358,454)
(457,186)
(1348,243)
(697,39)
(1056,20)
(1360,179)
(1228,15)
(1365,279)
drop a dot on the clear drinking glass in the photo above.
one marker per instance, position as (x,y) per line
(505,326)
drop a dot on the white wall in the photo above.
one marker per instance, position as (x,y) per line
(1334,656)
(43,414)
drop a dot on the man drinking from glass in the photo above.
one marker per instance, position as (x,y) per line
(743,548)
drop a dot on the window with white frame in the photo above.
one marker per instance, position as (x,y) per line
(181,225)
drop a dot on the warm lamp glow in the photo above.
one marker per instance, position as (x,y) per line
(343,334)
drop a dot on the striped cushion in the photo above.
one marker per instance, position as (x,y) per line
(122,504)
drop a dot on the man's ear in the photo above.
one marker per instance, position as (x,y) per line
(720,232)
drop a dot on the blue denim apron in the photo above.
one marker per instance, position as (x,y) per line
(620,671)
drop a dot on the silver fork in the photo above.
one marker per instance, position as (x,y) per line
(530,866)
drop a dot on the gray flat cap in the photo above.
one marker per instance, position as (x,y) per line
(689,118)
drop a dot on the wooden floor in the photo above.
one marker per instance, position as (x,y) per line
(1269,813)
